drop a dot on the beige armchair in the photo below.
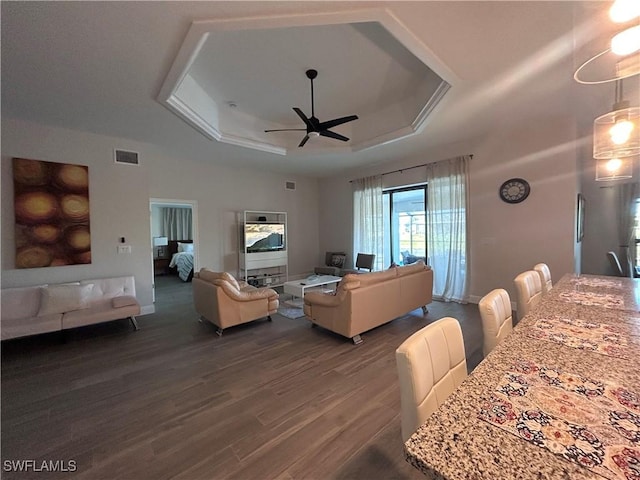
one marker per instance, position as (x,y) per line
(220,299)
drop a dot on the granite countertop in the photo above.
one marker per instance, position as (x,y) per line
(455,444)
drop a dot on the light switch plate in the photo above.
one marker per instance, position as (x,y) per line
(124,248)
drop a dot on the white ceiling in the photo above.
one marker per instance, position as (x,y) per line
(100,66)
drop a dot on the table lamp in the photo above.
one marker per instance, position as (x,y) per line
(160,242)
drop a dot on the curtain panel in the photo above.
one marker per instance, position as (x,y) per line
(447,227)
(368,233)
(627,204)
(177,223)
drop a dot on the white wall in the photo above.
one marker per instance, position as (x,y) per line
(505,239)
(120,194)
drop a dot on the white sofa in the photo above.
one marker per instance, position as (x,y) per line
(49,308)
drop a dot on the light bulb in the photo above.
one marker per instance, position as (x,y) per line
(621,131)
(624,10)
(614,165)
(627,41)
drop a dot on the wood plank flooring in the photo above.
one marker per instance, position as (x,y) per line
(267,400)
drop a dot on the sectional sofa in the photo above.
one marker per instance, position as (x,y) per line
(364,301)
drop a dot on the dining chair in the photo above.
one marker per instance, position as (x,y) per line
(497,318)
(545,277)
(363,261)
(615,264)
(528,291)
(431,364)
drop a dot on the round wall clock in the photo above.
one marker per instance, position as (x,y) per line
(514,190)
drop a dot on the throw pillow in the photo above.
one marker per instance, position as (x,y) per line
(64,298)
(338,260)
(187,247)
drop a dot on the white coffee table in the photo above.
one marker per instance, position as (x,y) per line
(298,287)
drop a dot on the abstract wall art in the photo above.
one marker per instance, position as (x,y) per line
(51,202)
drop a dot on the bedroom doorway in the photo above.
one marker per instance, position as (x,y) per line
(174,244)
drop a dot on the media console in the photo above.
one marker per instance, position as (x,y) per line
(263,255)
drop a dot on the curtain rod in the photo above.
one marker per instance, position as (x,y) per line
(415,166)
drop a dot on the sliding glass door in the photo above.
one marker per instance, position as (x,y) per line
(404,225)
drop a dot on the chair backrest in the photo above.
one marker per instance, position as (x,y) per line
(528,290)
(332,258)
(365,260)
(431,364)
(497,320)
(615,263)
(545,277)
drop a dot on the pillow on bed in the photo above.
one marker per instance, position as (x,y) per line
(185,247)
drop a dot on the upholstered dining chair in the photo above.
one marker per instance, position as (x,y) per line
(528,291)
(545,277)
(363,261)
(497,318)
(615,264)
(431,365)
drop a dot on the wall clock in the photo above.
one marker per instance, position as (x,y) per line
(514,190)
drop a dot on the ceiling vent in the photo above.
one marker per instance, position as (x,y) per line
(290,185)
(126,157)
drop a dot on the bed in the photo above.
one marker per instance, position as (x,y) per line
(181,254)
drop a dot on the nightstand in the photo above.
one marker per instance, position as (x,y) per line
(160,266)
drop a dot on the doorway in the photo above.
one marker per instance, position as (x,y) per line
(174,229)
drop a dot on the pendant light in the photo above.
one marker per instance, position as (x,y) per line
(614,169)
(616,134)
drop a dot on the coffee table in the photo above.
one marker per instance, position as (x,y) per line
(298,287)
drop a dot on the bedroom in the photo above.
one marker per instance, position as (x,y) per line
(172,240)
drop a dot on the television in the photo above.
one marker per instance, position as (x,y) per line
(264,237)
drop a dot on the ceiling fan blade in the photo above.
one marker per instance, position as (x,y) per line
(303,117)
(287,130)
(304,140)
(337,121)
(330,134)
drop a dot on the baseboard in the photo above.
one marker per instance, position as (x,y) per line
(474,299)
(147,309)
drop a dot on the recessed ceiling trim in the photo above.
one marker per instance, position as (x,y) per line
(182,94)
(384,139)
(421,118)
(256,145)
(192,118)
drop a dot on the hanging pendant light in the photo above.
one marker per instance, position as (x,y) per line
(614,169)
(617,134)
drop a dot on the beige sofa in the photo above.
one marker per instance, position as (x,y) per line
(365,301)
(49,308)
(220,299)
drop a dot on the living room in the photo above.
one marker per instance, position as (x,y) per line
(46,118)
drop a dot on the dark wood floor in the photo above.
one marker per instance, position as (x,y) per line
(268,400)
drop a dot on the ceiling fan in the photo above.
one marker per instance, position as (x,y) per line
(315,127)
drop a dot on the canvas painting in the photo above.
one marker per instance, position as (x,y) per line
(51,202)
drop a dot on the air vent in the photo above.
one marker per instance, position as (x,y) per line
(126,157)
(290,185)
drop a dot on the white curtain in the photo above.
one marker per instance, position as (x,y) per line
(447,232)
(627,203)
(368,234)
(177,223)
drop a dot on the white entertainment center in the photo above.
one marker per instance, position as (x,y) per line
(263,248)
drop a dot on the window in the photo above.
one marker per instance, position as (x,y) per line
(405,225)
